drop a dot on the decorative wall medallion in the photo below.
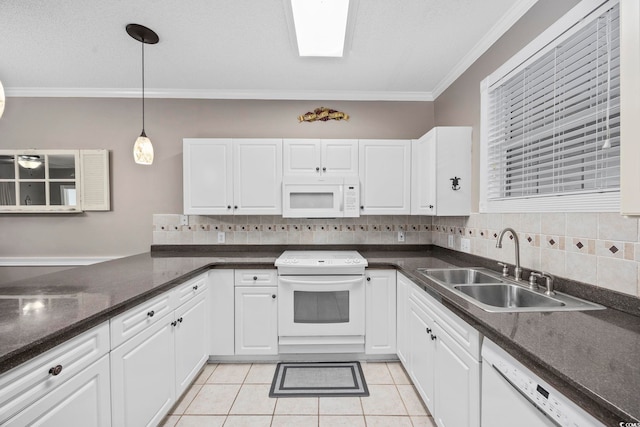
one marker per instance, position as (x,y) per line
(322,114)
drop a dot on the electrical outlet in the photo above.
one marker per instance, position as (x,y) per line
(465,245)
(221,236)
(184,220)
(451,241)
(400,236)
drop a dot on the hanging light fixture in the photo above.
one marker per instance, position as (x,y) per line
(1,99)
(143,149)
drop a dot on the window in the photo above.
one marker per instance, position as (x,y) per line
(551,119)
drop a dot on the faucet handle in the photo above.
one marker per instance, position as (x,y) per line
(549,283)
(533,279)
(505,269)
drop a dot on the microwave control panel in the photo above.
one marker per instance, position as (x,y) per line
(351,200)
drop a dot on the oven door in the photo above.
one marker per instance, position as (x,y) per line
(321,306)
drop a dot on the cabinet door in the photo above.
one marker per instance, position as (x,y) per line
(457,384)
(385,172)
(380,309)
(207,176)
(257,171)
(452,159)
(422,353)
(256,320)
(302,157)
(423,175)
(402,304)
(143,376)
(192,349)
(339,157)
(82,401)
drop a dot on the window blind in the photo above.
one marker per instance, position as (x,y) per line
(553,124)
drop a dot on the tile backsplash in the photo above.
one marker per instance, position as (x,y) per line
(602,249)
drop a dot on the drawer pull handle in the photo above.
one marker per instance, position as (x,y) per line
(433,337)
(195,288)
(55,370)
(151,313)
(428,330)
(174,323)
(180,320)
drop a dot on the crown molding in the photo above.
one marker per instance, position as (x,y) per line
(319,95)
(508,19)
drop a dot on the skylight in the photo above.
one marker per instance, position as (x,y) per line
(320,26)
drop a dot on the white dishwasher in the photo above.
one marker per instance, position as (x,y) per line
(512,395)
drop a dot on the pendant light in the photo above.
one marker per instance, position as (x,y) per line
(1,99)
(143,149)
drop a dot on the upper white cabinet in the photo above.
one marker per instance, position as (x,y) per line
(54,180)
(318,157)
(385,177)
(232,176)
(441,172)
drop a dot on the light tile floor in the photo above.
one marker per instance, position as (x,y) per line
(234,394)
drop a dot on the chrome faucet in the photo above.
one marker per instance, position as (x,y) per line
(517,273)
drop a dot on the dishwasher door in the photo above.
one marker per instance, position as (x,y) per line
(512,395)
(504,406)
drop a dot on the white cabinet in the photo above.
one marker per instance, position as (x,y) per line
(318,157)
(442,358)
(380,310)
(385,177)
(67,385)
(150,369)
(256,312)
(222,313)
(441,172)
(402,316)
(232,176)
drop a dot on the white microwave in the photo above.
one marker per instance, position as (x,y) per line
(320,197)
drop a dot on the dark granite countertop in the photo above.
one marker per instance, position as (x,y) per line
(592,357)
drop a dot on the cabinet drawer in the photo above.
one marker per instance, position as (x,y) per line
(134,321)
(190,289)
(463,333)
(256,277)
(28,383)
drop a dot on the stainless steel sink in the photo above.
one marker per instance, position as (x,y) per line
(508,296)
(494,293)
(459,276)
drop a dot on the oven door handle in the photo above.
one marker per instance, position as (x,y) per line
(320,282)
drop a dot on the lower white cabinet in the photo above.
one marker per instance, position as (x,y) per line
(380,312)
(151,369)
(256,322)
(442,358)
(65,386)
(402,316)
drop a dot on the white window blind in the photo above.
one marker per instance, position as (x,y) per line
(552,125)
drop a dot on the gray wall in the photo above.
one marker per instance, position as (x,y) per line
(460,103)
(137,192)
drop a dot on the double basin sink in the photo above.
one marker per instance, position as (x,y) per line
(494,293)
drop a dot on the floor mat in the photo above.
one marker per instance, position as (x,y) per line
(313,379)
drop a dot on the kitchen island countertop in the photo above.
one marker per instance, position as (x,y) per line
(591,356)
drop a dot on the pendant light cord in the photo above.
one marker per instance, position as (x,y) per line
(143,133)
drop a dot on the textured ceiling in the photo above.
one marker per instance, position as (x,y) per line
(398,49)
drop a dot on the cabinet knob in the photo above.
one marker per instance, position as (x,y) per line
(430,206)
(151,313)
(55,370)
(433,337)
(195,287)
(255,277)
(174,323)
(273,296)
(324,169)
(368,279)
(317,169)
(235,207)
(428,330)
(361,207)
(228,206)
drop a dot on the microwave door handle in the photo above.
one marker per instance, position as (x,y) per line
(317,282)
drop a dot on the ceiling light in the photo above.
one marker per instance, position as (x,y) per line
(1,99)
(143,149)
(28,161)
(321,26)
